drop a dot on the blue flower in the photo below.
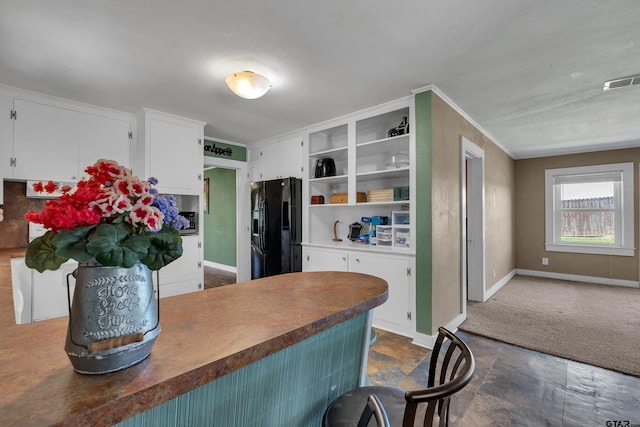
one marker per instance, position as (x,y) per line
(167,205)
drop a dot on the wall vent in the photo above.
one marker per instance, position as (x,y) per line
(622,82)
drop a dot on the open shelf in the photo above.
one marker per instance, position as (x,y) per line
(361,147)
(334,153)
(383,174)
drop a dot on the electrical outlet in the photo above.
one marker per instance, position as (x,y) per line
(545,261)
(494,273)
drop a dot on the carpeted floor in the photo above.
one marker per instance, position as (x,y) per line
(594,324)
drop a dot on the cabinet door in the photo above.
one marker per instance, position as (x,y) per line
(280,159)
(394,314)
(44,142)
(315,259)
(178,288)
(75,139)
(49,292)
(175,156)
(103,138)
(188,266)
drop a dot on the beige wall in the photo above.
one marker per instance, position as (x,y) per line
(530,231)
(447,128)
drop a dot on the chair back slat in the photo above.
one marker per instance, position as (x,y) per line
(452,365)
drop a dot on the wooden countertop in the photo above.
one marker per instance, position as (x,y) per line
(204,336)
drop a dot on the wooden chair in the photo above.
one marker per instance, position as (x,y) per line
(451,368)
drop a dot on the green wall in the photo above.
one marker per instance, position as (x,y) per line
(423,212)
(220,222)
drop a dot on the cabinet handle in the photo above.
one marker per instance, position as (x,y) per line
(344,258)
(357,259)
(73,177)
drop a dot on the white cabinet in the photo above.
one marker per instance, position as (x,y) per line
(275,160)
(58,141)
(170,148)
(324,260)
(40,296)
(49,293)
(395,314)
(186,273)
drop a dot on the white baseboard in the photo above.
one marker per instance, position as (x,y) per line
(578,278)
(228,268)
(426,341)
(391,327)
(423,340)
(497,286)
(457,321)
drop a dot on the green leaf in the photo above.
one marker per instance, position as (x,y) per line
(166,247)
(111,245)
(41,253)
(72,243)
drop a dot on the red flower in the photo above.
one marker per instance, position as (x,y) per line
(51,187)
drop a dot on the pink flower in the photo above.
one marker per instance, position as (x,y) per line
(149,216)
(138,188)
(121,186)
(154,220)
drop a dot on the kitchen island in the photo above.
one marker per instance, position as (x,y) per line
(270,352)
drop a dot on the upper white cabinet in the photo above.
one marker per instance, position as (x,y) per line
(57,141)
(279,159)
(170,148)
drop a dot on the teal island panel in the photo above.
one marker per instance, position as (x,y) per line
(289,388)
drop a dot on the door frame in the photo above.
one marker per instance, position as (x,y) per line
(473,244)
(243,250)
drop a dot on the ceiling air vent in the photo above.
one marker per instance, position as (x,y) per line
(623,82)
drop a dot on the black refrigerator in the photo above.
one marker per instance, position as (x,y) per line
(276,227)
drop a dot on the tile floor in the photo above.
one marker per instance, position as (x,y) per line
(513,386)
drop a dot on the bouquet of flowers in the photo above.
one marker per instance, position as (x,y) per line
(112,217)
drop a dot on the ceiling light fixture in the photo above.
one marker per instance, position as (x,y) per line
(247,84)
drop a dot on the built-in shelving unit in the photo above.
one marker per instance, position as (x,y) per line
(373,158)
(363,148)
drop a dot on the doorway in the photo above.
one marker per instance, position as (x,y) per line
(473,251)
(242,259)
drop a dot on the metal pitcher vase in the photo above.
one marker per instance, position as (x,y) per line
(113,319)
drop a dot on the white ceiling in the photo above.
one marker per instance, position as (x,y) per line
(529,73)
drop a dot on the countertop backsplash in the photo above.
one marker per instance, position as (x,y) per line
(14,229)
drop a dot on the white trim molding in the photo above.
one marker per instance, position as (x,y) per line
(223,267)
(423,340)
(427,341)
(578,278)
(498,285)
(460,111)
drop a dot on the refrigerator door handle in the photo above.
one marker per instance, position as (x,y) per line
(265,227)
(285,216)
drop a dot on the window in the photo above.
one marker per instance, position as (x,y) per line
(589,209)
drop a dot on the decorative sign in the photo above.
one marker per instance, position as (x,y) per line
(120,306)
(224,150)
